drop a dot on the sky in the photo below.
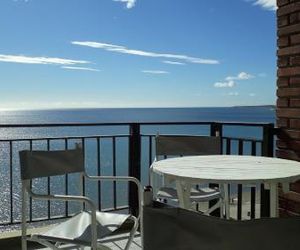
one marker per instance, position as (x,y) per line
(137,53)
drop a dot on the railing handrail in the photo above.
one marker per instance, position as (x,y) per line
(72,137)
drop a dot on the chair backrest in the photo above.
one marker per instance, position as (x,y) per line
(35,164)
(184,145)
(196,231)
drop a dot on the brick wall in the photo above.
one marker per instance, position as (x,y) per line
(288,94)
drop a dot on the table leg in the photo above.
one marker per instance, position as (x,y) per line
(183,192)
(273,200)
(156,181)
(226,200)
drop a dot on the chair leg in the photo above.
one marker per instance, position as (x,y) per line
(132,233)
(221,208)
(44,243)
(24,211)
(214,207)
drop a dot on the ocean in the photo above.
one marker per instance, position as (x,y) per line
(263,114)
(9,152)
(238,114)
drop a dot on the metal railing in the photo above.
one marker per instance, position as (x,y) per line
(137,145)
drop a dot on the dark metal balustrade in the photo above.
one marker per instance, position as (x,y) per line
(139,147)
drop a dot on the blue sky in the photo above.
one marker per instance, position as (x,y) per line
(136,53)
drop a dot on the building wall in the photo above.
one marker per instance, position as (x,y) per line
(288,93)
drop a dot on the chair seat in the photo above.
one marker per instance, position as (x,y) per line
(78,228)
(197,195)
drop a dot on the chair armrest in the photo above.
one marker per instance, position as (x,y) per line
(72,198)
(62,198)
(121,178)
(114,178)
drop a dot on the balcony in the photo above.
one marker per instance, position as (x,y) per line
(116,149)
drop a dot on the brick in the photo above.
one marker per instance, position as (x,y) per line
(282,122)
(292,196)
(283,61)
(282,2)
(289,71)
(293,134)
(288,9)
(295,18)
(285,213)
(294,103)
(294,81)
(295,146)
(281,144)
(288,92)
(289,50)
(295,60)
(290,202)
(287,154)
(287,30)
(288,139)
(282,102)
(288,112)
(295,39)
(295,187)
(294,123)
(284,135)
(283,41)
(282,21)
(282,82)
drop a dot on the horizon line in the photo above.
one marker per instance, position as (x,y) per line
(130,107)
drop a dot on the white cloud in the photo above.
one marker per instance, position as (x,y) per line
(240,76)
(124,50)
(229,81)
(80,68)
(39,60)
(174,63)
(252,94)
(266,4)
(129,3)
(227,84)
(157,72)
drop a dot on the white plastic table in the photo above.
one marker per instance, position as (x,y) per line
(228,169)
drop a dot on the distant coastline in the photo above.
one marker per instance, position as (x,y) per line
(256,106)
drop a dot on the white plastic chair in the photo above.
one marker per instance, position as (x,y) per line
(186,145)
(85,228)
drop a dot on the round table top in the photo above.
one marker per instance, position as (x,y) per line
(229,169)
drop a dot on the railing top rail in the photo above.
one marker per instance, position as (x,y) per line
(66,138)
(249,139)
(40,125)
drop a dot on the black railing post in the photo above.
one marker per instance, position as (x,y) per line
(268,140)
(268,151)
(216,129)
(134,164)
